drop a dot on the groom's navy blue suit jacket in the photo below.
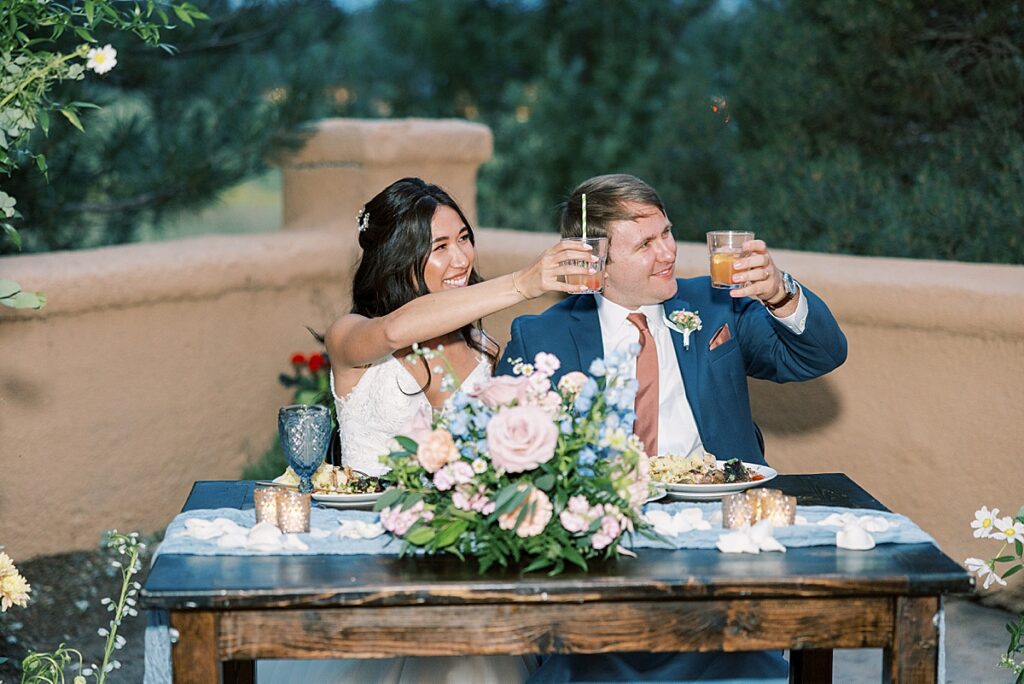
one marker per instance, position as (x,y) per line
(715,380)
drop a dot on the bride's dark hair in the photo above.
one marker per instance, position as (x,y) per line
(394,233)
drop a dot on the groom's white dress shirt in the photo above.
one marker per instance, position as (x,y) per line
(677,428)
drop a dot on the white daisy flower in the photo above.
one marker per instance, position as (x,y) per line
(479,466)
(983,521)
(1009,529)
(101,60)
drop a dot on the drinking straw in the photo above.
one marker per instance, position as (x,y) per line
(584,216)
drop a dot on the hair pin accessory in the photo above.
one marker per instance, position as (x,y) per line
(363,219)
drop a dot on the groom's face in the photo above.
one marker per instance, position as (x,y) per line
(641,258)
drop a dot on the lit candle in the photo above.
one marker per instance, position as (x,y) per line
(265,501)
(293,511)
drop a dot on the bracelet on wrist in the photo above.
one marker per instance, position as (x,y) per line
(515,286)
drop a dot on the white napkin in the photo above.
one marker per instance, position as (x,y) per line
(673,525)
(750,539)
(854,537)
(870,523)
(230,535)
(357,529)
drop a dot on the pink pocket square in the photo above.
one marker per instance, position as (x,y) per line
(721,336)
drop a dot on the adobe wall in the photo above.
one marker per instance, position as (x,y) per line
(155,365)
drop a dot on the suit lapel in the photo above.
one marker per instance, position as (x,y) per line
(586,330)
(687,360)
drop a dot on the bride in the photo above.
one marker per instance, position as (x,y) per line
(417,283)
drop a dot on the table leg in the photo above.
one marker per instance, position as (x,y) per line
(914,654)
(239,672)
(194,657)
(810,666)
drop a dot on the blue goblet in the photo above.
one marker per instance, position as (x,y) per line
(305,433)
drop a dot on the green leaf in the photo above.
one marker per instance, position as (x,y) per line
(84,34)
(545,482)
(411,500)
(41,162)
(8,288)
(420,535)
(1012,571)
(183,14)
(90,9)
(25,300)
(73,118)
(537,564)
(450,533)
(574,556)
(389,497)
(13,235)
(1019,545)
(1004,559)
(408,444)
(44,121)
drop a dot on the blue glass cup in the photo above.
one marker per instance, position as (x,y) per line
(305,433)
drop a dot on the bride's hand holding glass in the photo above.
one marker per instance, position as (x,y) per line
(569,260)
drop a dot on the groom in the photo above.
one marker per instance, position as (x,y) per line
(689,398)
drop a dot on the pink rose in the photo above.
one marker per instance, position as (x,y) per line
(501,390)
(419,426)
(539,510)
(443,480)
(521,438)
(461,472)
(436,450)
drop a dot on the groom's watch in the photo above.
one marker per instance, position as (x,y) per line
(790,290)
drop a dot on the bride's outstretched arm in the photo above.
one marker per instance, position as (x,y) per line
(355,340)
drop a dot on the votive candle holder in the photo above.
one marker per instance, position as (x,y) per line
(736,510)
(265,502)
(293,511)
(755,505)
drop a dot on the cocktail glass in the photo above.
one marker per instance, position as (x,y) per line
(593,282)
(725,247)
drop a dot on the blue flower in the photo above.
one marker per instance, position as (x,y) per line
(587,457)
(458,424)
(585,472)
(459,401)
(589,388)
(566,426)
(634,349)
(612,421)
(597,368)
(481,419)
(583,404)
(612,396)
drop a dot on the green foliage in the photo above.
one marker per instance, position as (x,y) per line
(868,128)
(174,132)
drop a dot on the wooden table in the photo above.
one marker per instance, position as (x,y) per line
(231,610)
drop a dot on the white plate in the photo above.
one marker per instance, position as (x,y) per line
(659,492)
(347,500)
(711,492)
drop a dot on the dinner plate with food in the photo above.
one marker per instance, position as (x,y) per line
(339,486)
(702,477)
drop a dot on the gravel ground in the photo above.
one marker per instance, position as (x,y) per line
(64,607)
(67,589)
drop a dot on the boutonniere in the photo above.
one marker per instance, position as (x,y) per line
(685,322)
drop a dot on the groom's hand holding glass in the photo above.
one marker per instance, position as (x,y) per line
(757,276)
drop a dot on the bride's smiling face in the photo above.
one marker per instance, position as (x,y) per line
(452,253)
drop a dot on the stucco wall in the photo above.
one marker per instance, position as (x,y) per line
(155,365)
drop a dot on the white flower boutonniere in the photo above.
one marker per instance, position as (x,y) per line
(686,322)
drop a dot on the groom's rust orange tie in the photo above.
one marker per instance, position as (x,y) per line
(646,406)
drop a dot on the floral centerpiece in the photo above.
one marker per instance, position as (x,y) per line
(516,469)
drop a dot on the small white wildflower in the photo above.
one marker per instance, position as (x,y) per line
(103,631)
(479,466)
(440,347)
(87,671)
(101,60)
(983,521)
(116,563)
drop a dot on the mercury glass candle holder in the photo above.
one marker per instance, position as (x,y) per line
(735,510)
(755,505)
(293,511)
(265,502)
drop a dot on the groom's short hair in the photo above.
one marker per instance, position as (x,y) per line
(606,202)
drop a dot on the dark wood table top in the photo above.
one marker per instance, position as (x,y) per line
(178,582)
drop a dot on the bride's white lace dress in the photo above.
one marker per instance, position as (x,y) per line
(382,403)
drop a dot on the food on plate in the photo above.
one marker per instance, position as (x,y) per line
(700,469)
(331,479)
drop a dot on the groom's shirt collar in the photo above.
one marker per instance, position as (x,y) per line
(613,316)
